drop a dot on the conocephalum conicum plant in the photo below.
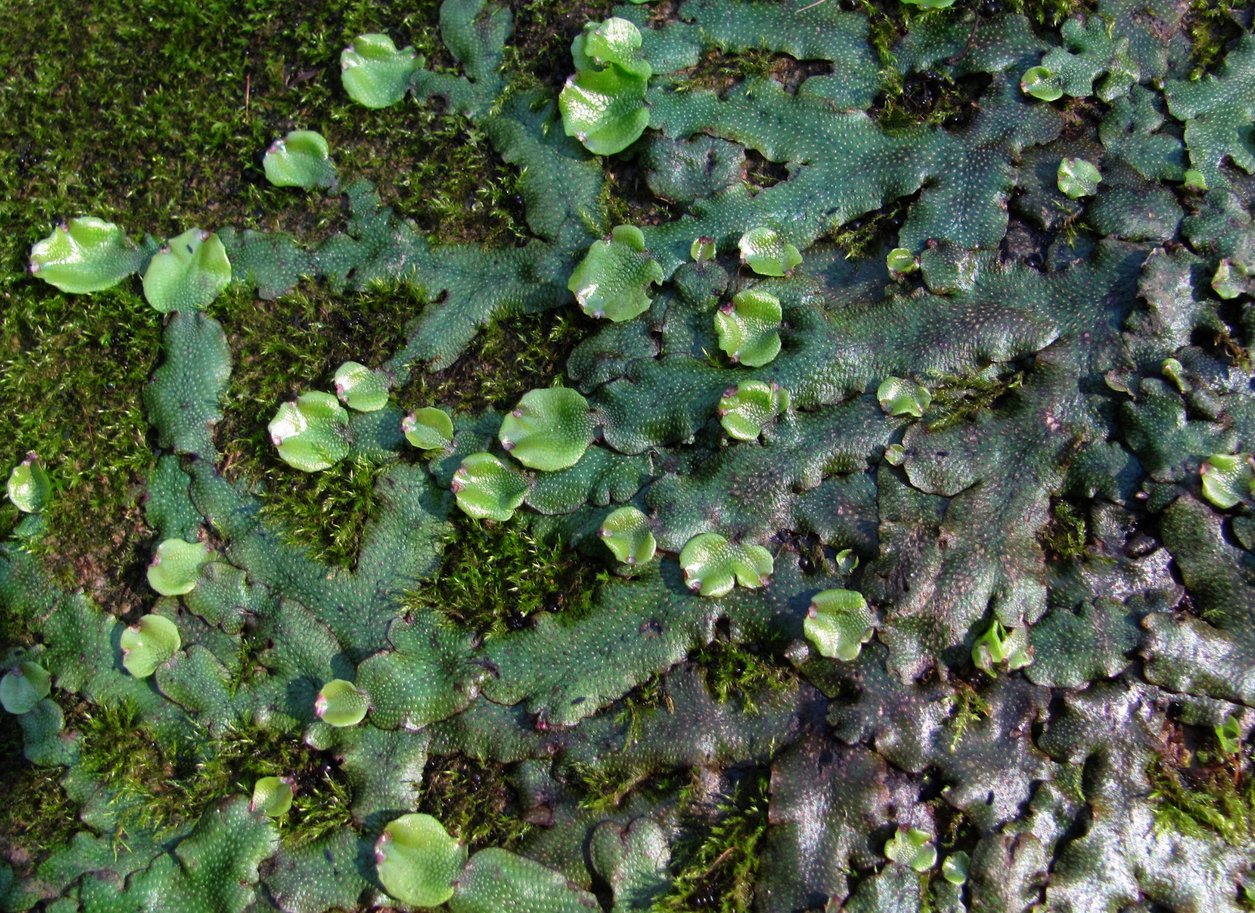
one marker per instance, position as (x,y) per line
(768,518)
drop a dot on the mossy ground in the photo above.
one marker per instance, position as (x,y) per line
(156,116)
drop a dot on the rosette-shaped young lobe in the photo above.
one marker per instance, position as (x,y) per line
(176,565)
(1077,178)
(360,388)
(417,861)
(301,159)
(310,432)
(188,273)
(340,704)
(272,796)
(1228,479)
(838,623)
(29,486)
(23,686)
(899,396)
(375,73)
(628,533)
(549,429)
(84,255)
(613,279)
(749,328)
(603,104)
(765,252)
(428,428)
(488,489)
(148,643)
(713,565)
(912,847)
(749,407)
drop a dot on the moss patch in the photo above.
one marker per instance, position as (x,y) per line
(473,800)
(496,578)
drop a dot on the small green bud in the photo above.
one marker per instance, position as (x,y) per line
(428,428)
(1041,83)
(340,704)
(29,485)
(272,796)
(149,643)
(24,686)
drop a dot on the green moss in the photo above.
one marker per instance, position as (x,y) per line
(969,708)
(1215,801)
(719,70)
(649,695)
(474,800)
(539,51)
(1211,26)
(508,358)
(495,577)
(170,114)
(960,398)
(605,787)
(865,237)
(716,863)
(162,786)
(739,671)
(1048,12)
(1067,533)
(37,816)
(327,512)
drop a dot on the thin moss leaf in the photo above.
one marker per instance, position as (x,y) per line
(488,489)
(374,73)
(300,159)
(24,686)
(749,328)
(613,279)
(548,429)
(29,485)
(912,847)
(749,407)
(176,565)
(149,643)
(417,861)
(838,623)
(340,704)
(428,428)
(767,253)
(1041,83)
(898,396)
(999,647)
(272,796)
(713,565)
(360,388)
(85,255)
(1228,479)
(188,273)
(310,432)
(930,4)
(1078,178)
(628,533)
